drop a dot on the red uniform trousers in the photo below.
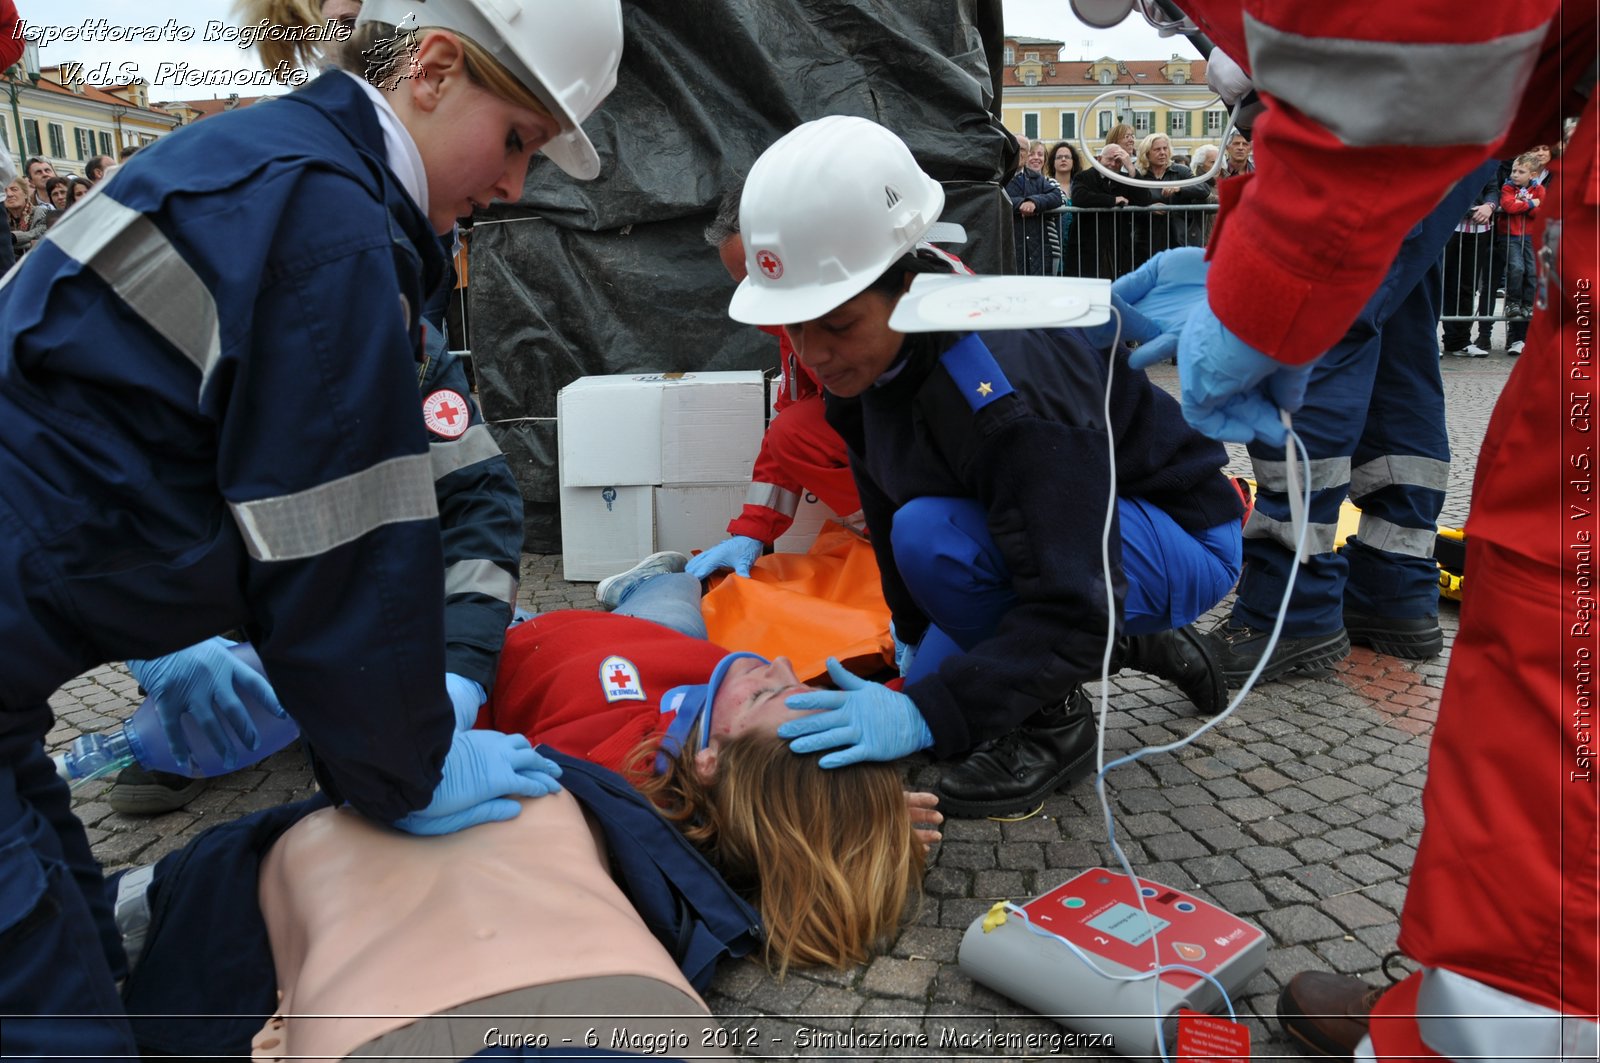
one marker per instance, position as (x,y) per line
(1506,885)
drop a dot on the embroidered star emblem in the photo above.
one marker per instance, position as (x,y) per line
(985,389)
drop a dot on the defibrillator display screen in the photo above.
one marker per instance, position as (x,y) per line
(1127,923)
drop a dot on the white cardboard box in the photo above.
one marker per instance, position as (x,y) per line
(660,428)
(692,517)
(605,529)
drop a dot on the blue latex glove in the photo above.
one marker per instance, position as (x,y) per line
(1231,391)
(1166,290)
(870,720)
(737,552)
(204,681)
(1134,326)
(466,697)
(483,771)
(905,655)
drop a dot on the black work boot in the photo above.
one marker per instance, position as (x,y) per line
(1012,774)
(1242,646)
(1417,638)
(1188,658)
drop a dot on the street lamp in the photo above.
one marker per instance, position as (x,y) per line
(29,67)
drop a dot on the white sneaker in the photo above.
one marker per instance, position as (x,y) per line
(610,591)
(1472,350)
(1515,348)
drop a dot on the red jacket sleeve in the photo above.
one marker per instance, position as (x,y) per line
(774,496)
(1297,253)
(11,43)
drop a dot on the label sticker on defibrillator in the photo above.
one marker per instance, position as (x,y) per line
(445,413)
(620,680)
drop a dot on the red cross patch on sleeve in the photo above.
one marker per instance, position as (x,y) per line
(620,680)
(446,414)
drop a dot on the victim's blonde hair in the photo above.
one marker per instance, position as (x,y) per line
(828,856)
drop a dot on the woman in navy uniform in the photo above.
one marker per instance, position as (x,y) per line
(208,421)
(984,472)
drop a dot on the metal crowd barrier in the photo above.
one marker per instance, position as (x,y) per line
(1108,242)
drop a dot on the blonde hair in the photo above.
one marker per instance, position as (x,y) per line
(828,855)
(1144,150)
(291,14)
(372,54)
(1118,131)
(24,186)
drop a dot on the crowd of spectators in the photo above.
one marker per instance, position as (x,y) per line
(40,197)
(1071,219)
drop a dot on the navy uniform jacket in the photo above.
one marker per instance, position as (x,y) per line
(1015,420)
(208,420)
(480,517)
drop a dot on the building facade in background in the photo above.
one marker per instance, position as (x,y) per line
(1045,96)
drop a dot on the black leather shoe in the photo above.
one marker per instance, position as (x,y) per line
(1417,638)
(1012,774)
(1240,647)
(1190,659)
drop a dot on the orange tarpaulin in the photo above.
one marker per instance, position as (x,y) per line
(807,607)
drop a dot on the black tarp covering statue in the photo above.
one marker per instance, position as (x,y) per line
(613,275)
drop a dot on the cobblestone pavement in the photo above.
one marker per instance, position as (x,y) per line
(1300,813)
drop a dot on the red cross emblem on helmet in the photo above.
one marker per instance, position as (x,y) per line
(769,264)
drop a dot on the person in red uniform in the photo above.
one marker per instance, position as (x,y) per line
(800,453)
(1501,912)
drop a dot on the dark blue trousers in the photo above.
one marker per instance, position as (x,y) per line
(60,953)
(1374,429)
(960,581)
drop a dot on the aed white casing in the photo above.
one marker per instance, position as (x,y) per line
(1045,976)
(954,302)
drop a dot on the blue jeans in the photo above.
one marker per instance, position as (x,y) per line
(671,599)
(960,580)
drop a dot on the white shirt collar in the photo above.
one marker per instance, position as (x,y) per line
(400,150)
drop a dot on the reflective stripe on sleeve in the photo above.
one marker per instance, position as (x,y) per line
(1461,1018)
(1319,537)
(1385,92)
(475,445)
(1405,470)
(477,576)
(1325,473)
(773,497)
(1385,535)
(126,250)
(318,519)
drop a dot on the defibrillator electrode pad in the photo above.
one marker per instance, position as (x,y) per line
(955,303)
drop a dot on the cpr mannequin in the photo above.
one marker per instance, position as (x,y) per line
(514,918)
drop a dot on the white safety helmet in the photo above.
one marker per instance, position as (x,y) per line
(825,211)
(566,53)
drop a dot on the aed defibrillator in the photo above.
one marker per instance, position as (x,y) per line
(1085,954)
